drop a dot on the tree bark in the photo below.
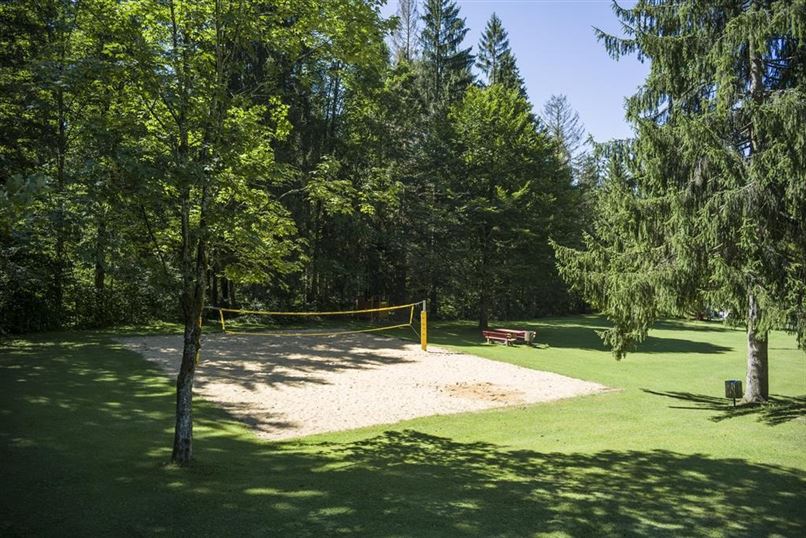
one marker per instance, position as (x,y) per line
(183,432)
(485,281)
(757,380)
(214,290)
(100,272)
(484,321)
(194,280)
(757,377)
(61,151)
(432,254)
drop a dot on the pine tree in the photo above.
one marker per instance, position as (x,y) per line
(446,65)
(708,205)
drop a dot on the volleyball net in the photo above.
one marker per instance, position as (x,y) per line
(236,321)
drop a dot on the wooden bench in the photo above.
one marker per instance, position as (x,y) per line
(521,336)
(498,336)
(508,336)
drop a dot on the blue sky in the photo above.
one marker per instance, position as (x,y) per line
(557,52)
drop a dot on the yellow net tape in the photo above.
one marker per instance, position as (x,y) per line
(410,306)
(335,313)
(337,333)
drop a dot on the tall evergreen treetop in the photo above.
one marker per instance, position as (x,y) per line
(446,64)
(708,207)
(495,59)
(494,45)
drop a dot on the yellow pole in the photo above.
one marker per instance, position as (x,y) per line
(424,328)
(221,317)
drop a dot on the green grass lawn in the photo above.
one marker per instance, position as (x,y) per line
(86,426)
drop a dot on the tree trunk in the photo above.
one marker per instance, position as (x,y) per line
(757,381)
(399,291)
(484,283)
(433,301)
(214,291)
(192,305)
(183,432)
(100,272)
(484,321)
(432,254)
(61,263)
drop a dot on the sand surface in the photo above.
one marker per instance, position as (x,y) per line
(288,387)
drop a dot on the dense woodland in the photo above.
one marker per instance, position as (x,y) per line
(266,154)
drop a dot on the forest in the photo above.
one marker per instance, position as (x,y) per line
(304,155)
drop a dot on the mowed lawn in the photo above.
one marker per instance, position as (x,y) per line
(86,427)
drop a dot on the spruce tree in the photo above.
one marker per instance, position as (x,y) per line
(446,65)
(708,204)
(495,59)
(506,194)
(445,75)
(493,46)
(509,75)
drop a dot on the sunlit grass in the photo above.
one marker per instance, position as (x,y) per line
(86,426)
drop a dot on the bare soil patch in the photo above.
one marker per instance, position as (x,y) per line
(287,387)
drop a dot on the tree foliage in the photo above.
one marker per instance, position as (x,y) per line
(496,60)
(509,190)
(565,128)
(707,207)
(404,36)
(445,64)
(158,157)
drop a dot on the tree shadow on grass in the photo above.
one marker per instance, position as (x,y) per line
(698,326)
(778,410)
(586,337)
(85,431)
(481,489)
(580,333)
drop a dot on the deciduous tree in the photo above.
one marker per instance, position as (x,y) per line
(405,35)
(565,127)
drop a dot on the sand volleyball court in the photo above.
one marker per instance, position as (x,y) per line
(287,387)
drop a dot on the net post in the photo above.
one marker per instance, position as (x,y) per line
(424,328)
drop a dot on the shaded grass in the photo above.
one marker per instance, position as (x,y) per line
(85,431)
(777,410)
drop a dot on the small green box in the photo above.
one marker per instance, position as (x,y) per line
(733,388)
